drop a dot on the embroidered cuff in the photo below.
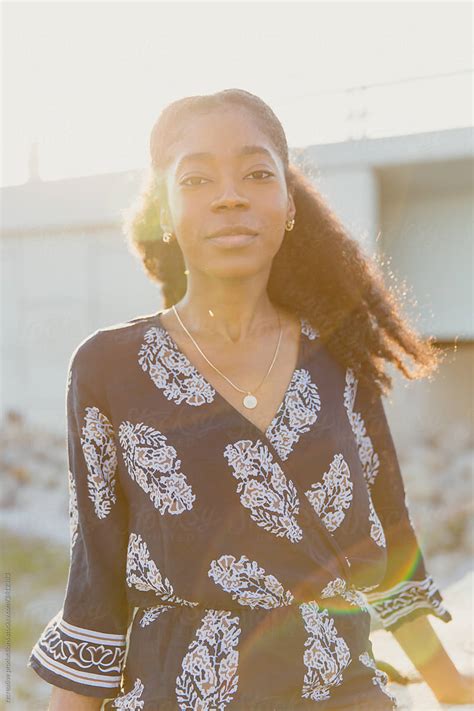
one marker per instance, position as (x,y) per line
(406,601)
(78,659)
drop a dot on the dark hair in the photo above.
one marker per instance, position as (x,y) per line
(319,272)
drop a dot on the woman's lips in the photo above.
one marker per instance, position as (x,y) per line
(233,240)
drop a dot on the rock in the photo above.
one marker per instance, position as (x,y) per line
(8,494)
(20,474)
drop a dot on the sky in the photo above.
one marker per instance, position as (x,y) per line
(86,81)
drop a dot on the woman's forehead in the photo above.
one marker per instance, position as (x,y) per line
(219,134)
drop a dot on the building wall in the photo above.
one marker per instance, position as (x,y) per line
(426,228)
(56,290)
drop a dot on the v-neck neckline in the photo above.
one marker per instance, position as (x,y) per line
(226,403)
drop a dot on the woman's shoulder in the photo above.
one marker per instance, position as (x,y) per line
(111,340)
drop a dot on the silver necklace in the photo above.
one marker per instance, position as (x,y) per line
(249,401)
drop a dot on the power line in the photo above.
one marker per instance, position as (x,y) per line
(393,82)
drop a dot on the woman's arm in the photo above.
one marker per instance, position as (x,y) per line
(62,699)
(407,594)
(421,644)
(82,648)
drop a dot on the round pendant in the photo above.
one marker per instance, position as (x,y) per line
(250,401)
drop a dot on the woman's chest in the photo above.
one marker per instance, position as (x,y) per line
(210,449)
(175,429)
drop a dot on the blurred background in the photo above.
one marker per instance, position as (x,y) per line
(376,98)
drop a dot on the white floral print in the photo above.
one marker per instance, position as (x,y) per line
(299,410)
(264,489)
(73,511)
(380,678)
(376,530)
(248,583)
(334,588)
(367,455)
(171,371)
(130,701)
(153,464)
(143,573)
(150,614)
(326,654)
(333,495)
(339,588)
(308,329)
(209,677)
(100,454)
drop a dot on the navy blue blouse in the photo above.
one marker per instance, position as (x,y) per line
(214,565)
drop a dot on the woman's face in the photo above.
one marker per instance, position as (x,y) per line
(239,181)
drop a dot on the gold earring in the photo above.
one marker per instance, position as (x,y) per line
(167,236)
(289,225)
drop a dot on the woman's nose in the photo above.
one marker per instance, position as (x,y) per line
(229,197)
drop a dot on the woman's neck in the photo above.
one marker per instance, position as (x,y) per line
(232,315)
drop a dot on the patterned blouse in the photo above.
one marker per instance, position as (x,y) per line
(216,566)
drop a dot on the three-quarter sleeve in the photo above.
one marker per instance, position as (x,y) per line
(407,590)
(82,647)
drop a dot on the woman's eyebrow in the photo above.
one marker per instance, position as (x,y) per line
(244,151)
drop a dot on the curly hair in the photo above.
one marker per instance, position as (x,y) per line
(319,272)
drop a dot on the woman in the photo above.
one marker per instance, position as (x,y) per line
(234,485)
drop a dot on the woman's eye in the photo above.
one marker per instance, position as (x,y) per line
(267,172)
(196,178)
(192,177)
